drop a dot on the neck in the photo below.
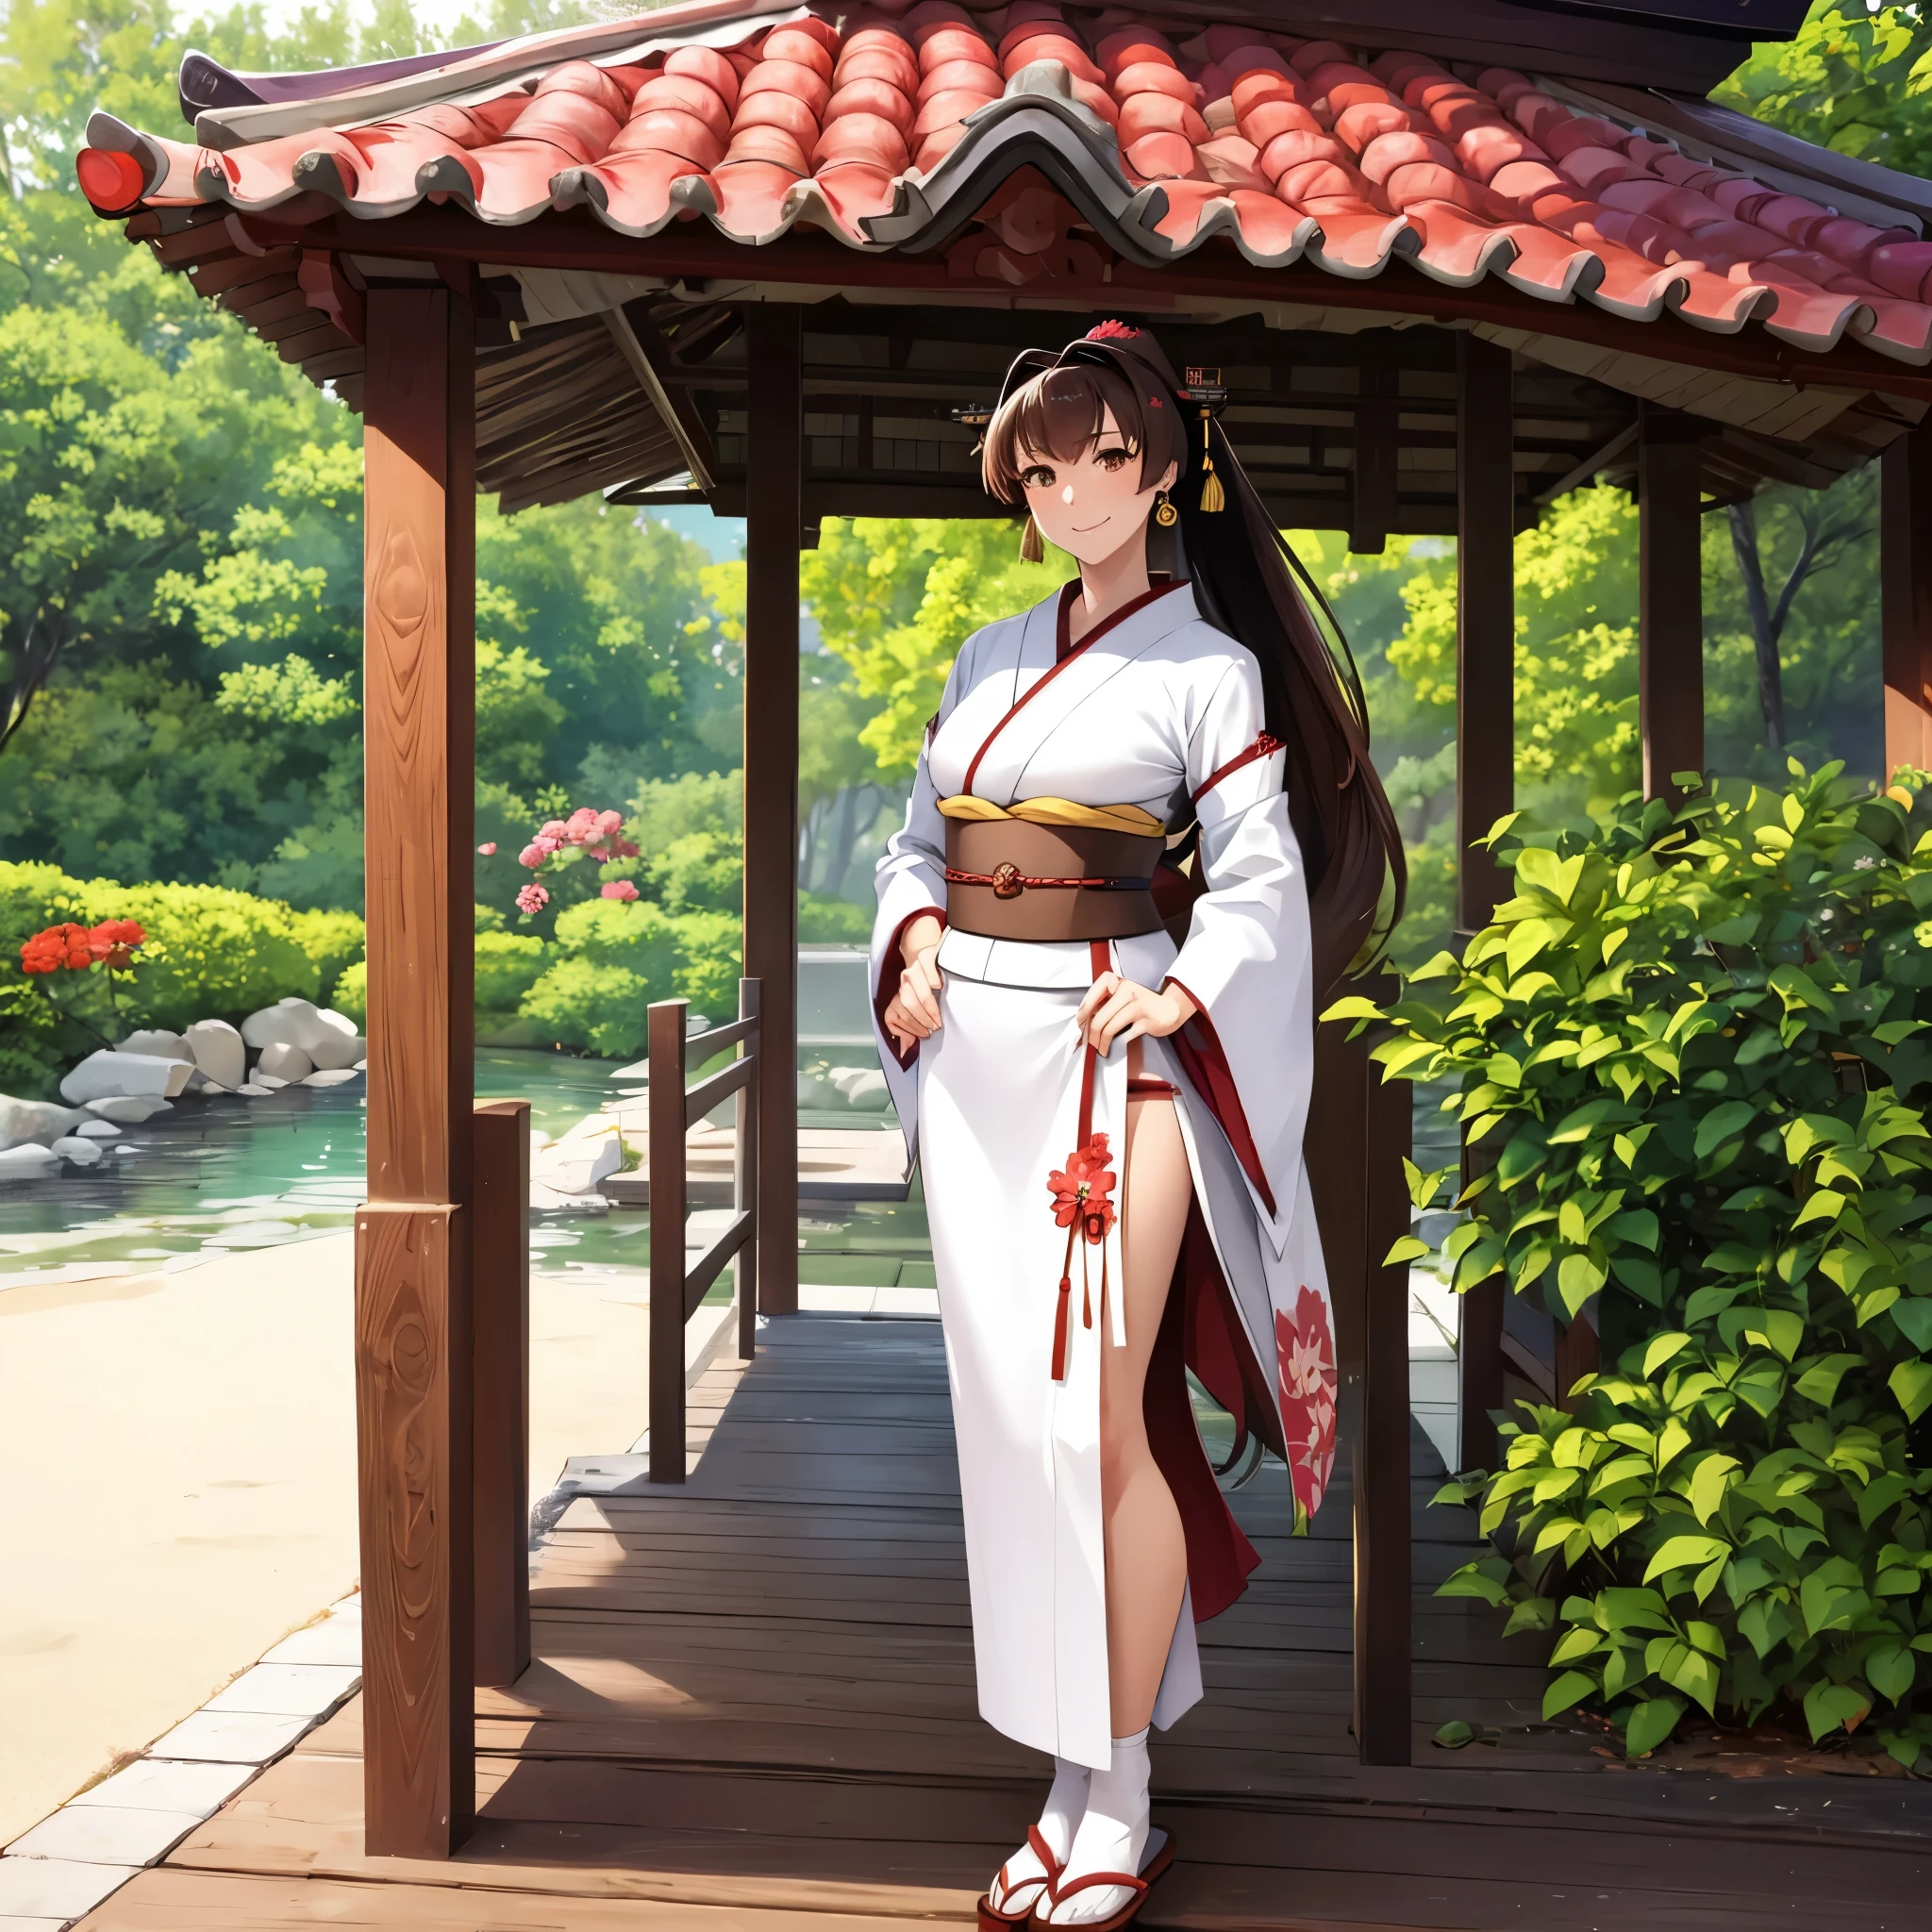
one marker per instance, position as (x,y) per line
(1106,586)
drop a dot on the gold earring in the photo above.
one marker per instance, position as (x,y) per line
(1031,548)
(1165,514)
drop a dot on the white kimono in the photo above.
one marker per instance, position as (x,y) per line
(1158,710)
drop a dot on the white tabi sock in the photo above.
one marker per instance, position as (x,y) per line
(1112,1836)
(1058,1820)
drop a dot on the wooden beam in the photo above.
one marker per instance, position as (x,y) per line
(1382,1645)
(1485,621)
(413,1339)
(500,1313)
(1372,482)
(1904,550)
(774,518)
(1670,617)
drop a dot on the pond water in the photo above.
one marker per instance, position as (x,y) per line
(224,1173)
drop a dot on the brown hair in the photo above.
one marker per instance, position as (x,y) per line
(1249,583)
(1062,413)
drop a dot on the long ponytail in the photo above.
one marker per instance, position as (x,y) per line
(1244,580)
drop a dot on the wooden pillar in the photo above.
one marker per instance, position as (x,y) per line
(413,1238)
(1670,619)
(1354,1146)
(1484,621)
(668,1108)
(500,1290)
(1382,1445)
(1905,547)
(775,509)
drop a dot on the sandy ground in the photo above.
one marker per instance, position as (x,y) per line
(178,1484)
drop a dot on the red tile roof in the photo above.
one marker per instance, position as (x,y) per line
(1291,148)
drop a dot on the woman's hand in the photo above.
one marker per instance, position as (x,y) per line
(913,1012)
(1117,1008)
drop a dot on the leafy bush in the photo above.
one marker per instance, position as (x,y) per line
(1695,1046)
(210,953)
(509,964)
(827,922)
(333,941)
(617,959)
(351,995)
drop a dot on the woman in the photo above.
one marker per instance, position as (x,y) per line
(1101,1063)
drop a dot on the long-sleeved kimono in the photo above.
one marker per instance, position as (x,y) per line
(1153,720)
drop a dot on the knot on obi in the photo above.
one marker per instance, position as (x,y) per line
(1011,878)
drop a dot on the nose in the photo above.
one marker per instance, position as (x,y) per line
(1067,494)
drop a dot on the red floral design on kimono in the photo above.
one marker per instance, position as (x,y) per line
(1307,1348)
(1083,1205)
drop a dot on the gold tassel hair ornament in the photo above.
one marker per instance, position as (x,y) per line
(1031,549)
(1213,497)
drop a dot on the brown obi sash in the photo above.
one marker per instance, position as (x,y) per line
(1048,871)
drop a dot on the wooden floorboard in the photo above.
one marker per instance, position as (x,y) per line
(752,1706)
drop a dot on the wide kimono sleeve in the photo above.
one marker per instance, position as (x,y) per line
(1245,964)
(911,882)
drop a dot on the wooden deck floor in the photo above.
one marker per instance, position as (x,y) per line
(753,1707)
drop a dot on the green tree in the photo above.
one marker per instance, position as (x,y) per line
(1853,81)
(896,597)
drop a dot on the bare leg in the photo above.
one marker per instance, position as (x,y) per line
(1146,1553)
(1146,1557)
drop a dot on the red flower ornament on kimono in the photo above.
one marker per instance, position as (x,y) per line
(1083,1205)
(1307,1351)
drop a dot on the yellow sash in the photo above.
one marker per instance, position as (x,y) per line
(1057,811)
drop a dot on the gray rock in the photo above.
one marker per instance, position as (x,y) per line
(127,1109)
(219,1051)
(267,1083)
(287,1022)
(28,1162)
(82,1153)
(41,1121)
(283,1060)
(254,1090)
(98,1130)
(329,1076)
(156,1042)
(334,1041)
(106,1076)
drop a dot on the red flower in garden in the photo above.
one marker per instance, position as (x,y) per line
(114,941)
(1083,1191)
(60,946)
(1305,1348)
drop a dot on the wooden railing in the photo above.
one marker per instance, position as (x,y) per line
(676,1291)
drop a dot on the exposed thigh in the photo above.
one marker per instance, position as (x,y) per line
(1157,1188)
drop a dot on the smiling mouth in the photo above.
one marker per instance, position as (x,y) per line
(1081,529)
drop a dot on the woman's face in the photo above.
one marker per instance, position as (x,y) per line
(1093,505)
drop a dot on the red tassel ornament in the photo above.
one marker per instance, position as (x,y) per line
(1083,1205)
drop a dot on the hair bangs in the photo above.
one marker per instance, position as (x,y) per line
(1061,415)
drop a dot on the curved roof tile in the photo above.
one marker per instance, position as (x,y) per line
(890,129)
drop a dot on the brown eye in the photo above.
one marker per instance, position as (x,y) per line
(1039,477)
(1113,460)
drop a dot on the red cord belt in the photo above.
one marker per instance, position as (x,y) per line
(1007,882)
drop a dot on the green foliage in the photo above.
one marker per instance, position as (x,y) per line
(617,959)
(1689,1054)
(211,953)
(351,995)
(333,941)
(896,597)
(509,964)
(1854,79)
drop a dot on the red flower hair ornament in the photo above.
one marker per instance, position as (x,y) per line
(1083,1205)
(1112,332)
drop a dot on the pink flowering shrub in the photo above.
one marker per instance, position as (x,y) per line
(561,845)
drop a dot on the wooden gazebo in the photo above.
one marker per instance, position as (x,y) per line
(1450,262)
